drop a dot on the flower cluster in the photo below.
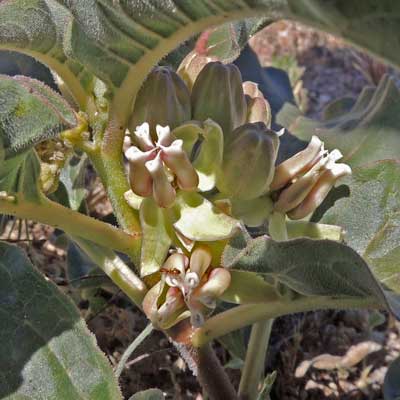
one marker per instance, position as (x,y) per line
(209,132)
(188,285)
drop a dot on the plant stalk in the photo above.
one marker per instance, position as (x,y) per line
(241,316)
(253,369)
(212,376)
(205,365)
(72,222)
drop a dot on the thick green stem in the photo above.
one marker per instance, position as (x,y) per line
(110,168)
(212,376)
(51,213)
(116,269)
(253,369)
(261,330)
(241,316)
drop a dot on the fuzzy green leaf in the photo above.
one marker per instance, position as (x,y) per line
(371,219)
(46,351)
(39,28)
(309,267)
(121,41)
(30,112)
(156,238)
(370,131)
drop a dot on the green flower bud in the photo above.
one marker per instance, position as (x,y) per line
(191,66)
(163,99)
(249,162)
(218,94)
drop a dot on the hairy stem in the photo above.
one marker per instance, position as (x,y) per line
(116,269)
(109,166)
(51,213)
(205,365)
(253,369)
(212,376)
(244,315)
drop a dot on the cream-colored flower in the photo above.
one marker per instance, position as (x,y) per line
(159,168)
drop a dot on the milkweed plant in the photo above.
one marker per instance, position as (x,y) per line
(224,219)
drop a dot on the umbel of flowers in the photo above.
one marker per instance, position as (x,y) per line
(201,164)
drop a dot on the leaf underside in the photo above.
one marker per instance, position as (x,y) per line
(309,267)
(46,351)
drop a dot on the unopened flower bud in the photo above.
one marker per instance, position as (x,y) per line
(258,109)
(163,99)
(320,190)
(163,192)
(139,177)
(218,94)
(191,66)
(249,161)
(176,159)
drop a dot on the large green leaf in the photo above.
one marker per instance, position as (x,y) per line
(46,351)
(30,112)
(120,41)
(309,267)
(370,131)
(370,217)
(38,28)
